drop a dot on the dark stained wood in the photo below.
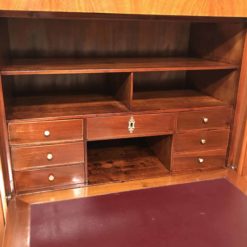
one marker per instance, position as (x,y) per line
(172,100)
(122,160)
(192,141)
(97,38)
(124,92)
(37,156)
(117,126)
(211,160)
(34,132)
(218,117)
(39,179)
(110,65)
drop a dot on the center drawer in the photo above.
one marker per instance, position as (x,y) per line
(100,128)
(201,140)
(47,155)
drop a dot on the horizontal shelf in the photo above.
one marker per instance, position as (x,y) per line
(109,65)
(118,161)
(172,100)
(87,105)
(63,106)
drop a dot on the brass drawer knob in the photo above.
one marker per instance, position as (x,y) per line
(205,120)
(49,156)
(203,141)
(131,126)
(51,177)
(47,133)
(200,160)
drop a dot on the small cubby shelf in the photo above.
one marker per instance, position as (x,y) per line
(128,159)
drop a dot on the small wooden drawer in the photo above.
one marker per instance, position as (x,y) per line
(216,118)
(48,178)
(47,155)
(45,132)
(129,126)
(199,162)
(201,140)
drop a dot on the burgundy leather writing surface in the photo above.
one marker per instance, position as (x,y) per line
(201,214)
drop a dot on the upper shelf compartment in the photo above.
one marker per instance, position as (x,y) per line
(110,65)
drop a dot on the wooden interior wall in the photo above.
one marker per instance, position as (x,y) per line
(94,38)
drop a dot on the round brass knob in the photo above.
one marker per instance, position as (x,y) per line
(49,156)
(203,141)
(200,160)
(47,133)
(51,177)
(205,120)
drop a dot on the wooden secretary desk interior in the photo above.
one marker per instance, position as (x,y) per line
(96,99)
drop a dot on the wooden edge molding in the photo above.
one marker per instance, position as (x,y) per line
(217,8)
(239,181)
(51,196)
(17,231)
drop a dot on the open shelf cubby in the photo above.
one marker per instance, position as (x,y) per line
(128,159)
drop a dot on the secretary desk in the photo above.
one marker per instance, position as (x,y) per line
(97,98)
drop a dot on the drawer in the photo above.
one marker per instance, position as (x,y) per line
(45,132)
(47,155)
(48,177)
(201,140)
(129,126)
(199,162)
(219,117)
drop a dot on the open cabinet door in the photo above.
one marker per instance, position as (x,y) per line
(242,169)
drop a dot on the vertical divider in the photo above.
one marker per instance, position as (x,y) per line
(85,151)
(4,145)
(125,92)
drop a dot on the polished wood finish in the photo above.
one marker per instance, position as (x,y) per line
(118,127)
(224,8)
(4,146)
(18,222)
(48,178)
(240,113)
(210,160)
(35,132)
(219,117)
(110,65)
(34,157)
(193,141)
(242,167)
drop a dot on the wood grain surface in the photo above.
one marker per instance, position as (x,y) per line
(226,8)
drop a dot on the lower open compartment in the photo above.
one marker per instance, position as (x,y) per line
(128,159)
